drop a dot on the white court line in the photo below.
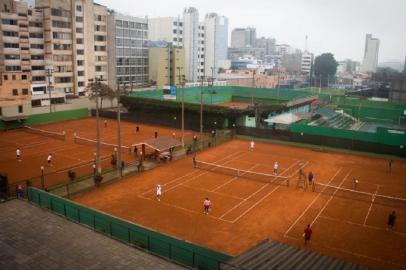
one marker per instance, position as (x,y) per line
(232,179)
(310,205)
(255,204)
(188,180)
(219,193)
(180,208)
(263,198)
(264,186)
(188,174)
(370,207)
(331,197)
(362,225)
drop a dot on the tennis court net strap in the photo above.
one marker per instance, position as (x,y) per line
(352,194)
(53,134)
(257,176)
(86,141)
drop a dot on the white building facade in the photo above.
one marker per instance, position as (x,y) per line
(370,61)
(216,40)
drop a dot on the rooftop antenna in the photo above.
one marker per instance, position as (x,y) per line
(306,44)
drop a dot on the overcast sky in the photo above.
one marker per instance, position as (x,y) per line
(337,26)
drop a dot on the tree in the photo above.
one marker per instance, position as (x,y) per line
(386,74)
(100,90)
(325,67)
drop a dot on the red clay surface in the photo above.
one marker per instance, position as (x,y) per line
(66,154)
(247,211)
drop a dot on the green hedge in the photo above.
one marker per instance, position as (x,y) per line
(395,137)
(44,118)
(164,245)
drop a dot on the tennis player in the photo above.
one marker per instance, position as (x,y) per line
(207,206)
(49,159)
(18,154)
(275,168)
(307,234)
(158,192)
(252,145)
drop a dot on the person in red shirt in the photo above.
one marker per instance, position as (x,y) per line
(307,234)
(207,206)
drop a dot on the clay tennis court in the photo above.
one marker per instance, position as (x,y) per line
(246,211)
(66,153)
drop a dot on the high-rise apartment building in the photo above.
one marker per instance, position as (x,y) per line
(193,44)
(306,63)
(216,43)
(404,67)
(166,64)
(370,61)
(243,37)
(22,71)
(127,50)
(75,35)
(266,43)
(169,29)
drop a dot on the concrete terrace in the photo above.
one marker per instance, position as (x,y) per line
(33,238)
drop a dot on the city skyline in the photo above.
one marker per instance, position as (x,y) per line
(326,23)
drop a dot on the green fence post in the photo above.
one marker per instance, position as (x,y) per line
(78,215)
(129,235)
(111,228)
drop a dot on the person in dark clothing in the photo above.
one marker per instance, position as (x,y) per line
(391,220)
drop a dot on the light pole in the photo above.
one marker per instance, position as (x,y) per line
(180,82)
(119,128)
(95,87)
(201,110)
(49,72)
(42,178)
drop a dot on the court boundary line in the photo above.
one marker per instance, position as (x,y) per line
(362,225)
(261,188)
(218,193)
(232,179)
(188,174)
(268,194)
(370,206)
(310,204)
(330,199)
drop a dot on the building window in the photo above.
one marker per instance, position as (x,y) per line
(38,78)
(78,8)
(81,73)
(9,21)
(23,77)
(13,68)
(36,35)
(80,62)
(79,41)
(15,92)
(62,46)
(63,79)
(13,77)
(80,52)
(11,45)
(37,46)
(79,30)
(79,19)
(81,84)
(12,56)
(10,34)
(38,68)
(5,77)
(35,24)
(25,92)
(20,109)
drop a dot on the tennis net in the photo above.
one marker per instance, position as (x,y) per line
(85,141)
(352,194)
(43,132)
(262,177)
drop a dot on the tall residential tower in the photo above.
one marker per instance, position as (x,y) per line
(370,61)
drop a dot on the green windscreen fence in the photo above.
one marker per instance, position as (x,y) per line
(387,136)
(163,245)
(372,110)
(44,118)
(219,94)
